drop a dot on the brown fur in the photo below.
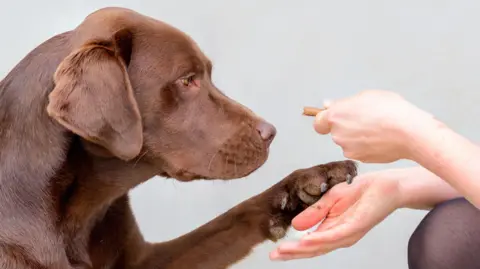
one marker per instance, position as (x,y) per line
(93,112)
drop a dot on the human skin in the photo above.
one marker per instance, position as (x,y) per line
(381,127)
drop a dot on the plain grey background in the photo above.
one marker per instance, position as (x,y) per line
(276,56)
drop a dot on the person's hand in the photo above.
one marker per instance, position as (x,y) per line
(348,213)
(373,126)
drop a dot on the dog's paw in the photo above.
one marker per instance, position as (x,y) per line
(303,188)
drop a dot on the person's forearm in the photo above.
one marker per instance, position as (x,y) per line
(451,157)
(421,189)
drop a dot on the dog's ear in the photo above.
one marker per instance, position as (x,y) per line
(93,97)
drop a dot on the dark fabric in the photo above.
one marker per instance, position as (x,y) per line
(447,238)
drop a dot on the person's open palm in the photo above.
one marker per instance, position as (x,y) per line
(348,211)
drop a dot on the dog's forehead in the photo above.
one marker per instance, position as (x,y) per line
(170,47)
(105,22)
(157,44)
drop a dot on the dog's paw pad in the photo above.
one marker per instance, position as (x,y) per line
(311,193)
(284,202)
(277,231)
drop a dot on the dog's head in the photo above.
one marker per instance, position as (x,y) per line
(136,88)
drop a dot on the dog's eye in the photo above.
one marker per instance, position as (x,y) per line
(188,80)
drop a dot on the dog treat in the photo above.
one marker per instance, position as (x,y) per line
(312,111)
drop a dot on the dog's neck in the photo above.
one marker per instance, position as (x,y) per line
(85,187)
(95,180)
(36,151)
(32,146)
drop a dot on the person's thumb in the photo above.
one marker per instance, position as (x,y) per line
(321,124)
(312,215)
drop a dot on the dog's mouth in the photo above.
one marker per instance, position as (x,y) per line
(224,165)
(238,156)
(231,171)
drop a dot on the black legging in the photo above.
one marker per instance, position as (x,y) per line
(447,238)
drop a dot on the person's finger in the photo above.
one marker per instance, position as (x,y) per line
(313,214)
(291,250)
(295,250)
(329,236)
(328,224)
(275,256)
(327,103)
(321,123)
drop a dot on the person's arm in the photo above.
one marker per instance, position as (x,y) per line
(349,212)
(418,188)
(450,156)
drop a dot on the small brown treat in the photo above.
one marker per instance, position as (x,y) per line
(312,111)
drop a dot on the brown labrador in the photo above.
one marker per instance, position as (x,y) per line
(93,112)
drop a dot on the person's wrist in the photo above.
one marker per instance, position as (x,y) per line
(404,179)
(420,132)
(388,182)
(394,190)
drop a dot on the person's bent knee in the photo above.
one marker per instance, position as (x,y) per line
(445,237)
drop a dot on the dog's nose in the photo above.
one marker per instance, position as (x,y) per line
(267,132)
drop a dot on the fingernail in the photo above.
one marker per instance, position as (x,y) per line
(327,103)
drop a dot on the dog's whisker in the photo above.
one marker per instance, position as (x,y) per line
(139,158)
(211,160)
(235,165)
(226,162)
(174,181)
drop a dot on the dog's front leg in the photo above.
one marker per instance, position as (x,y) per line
(267,216)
